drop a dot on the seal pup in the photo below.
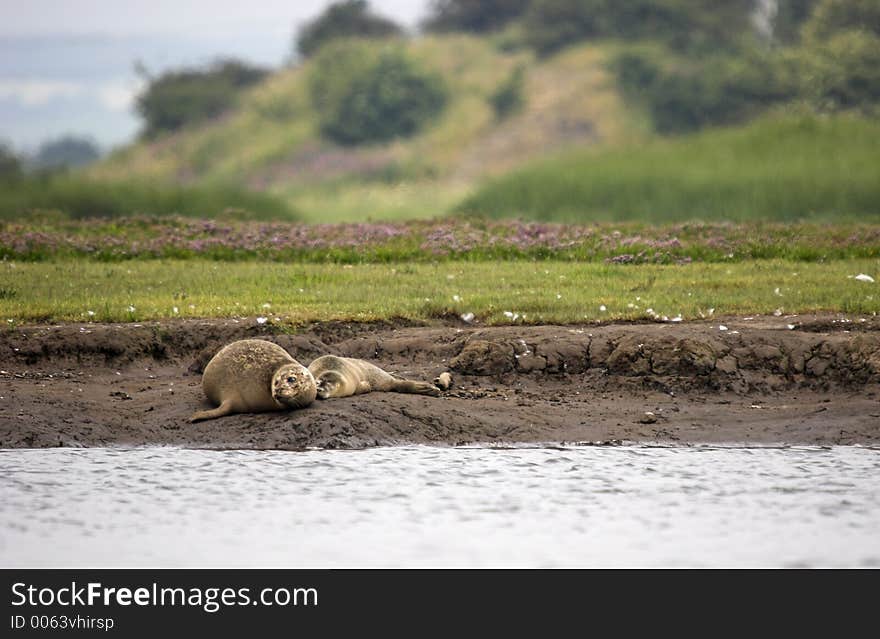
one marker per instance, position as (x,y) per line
(254,376)
(347,376)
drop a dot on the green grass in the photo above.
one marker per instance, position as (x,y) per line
(778,168)
(538,292)
(80,197)
(358,200)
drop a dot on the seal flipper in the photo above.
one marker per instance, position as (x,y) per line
(414,387)
(222,410)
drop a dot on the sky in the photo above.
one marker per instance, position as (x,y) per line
(67,66)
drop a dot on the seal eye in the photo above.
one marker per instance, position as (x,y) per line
(291,380)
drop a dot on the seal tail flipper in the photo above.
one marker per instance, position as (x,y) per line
(223,409)
(443,381)
(417,388)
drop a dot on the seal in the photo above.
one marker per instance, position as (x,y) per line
(347,376)
(254,376)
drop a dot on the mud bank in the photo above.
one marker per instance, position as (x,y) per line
(763,380)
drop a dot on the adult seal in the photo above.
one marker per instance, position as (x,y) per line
(346,376)
(254,376)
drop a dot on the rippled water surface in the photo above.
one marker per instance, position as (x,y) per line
(423,506)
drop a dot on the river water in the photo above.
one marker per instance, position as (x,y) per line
(439,507)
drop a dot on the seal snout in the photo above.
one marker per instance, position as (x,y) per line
(294,386)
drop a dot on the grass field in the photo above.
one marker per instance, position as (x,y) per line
(494,292)
(778,168)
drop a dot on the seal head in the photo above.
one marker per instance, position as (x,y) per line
(294,386)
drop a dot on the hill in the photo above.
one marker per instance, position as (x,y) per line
(271,142)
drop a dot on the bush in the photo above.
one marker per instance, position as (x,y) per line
(373,101)
(636,73)
(10,165)
(67,151)
(479,16)
(843,73)
(335,68)
(790,18)
(178,98)
(509,97)
(346,19)
(682,24)
(719,90)
(832,16)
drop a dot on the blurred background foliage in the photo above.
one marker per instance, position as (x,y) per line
(176,99)
(542,108)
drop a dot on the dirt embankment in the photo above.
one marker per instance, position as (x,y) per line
(763,380)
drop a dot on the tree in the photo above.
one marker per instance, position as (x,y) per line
(843,72)
(789,19)
(832,16)
(478,16)
(682,24)
(10,165)
(345,19)
(364,99)
(66,151)
(178,98)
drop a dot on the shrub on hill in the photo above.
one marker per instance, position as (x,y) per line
(478,16)
(789,19)
(718,90)
(832,16)
(364,97)
(178,98)
(345,19)
(509,97)
(682,24)
(842,72)
(66,151)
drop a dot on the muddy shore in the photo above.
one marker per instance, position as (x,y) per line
(764,380)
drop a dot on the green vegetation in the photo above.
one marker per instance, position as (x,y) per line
(272,140)
(789,19)
(682,96)
(364,101)
(48,237)
(843,72)
(10,165)
(475,16)
(345,19)
(833,66)
(534,292)
(65,152)
(509,98)
(78,197)
(359,131)
(778,168)
(179,98)
(833,16)
(551,25)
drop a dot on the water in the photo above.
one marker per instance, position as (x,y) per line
(426,506)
